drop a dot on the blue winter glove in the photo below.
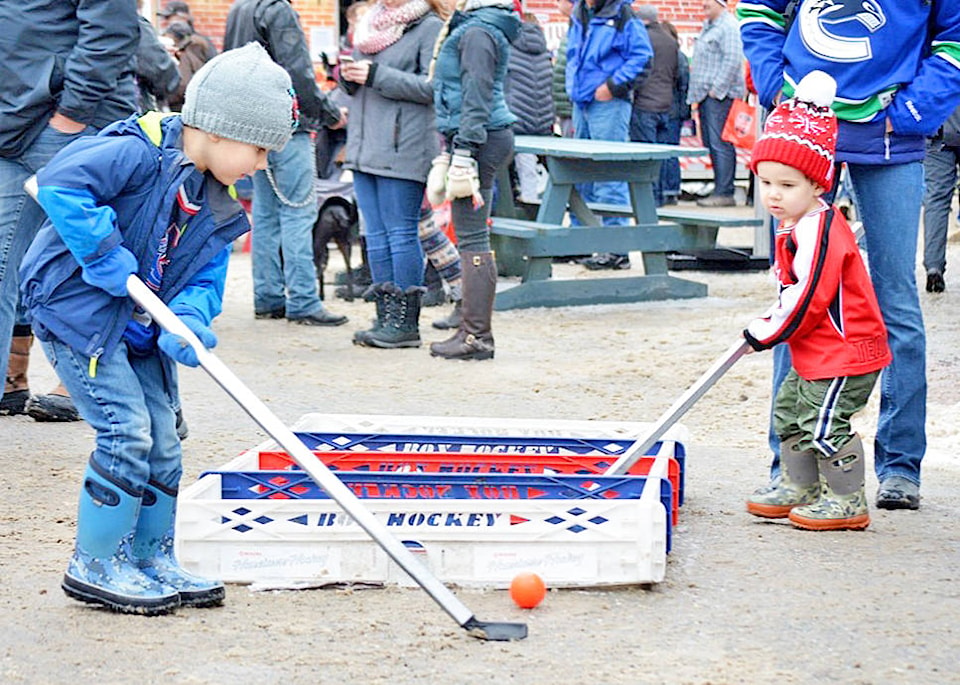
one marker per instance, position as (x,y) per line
(177,348)
(110,271)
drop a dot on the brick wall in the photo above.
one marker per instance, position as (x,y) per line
(319,17)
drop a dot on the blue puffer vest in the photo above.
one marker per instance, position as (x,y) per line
(448,91)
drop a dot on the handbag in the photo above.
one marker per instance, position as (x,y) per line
(740,127)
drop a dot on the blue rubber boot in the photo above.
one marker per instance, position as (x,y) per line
(153,551)
(102,570)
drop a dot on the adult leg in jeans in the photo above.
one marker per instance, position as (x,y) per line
(20,219)
(609,120)
(723,156)
(283,218)
(378,248)
(670,169)
(940,178)
(889,204)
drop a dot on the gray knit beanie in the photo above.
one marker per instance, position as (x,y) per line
(243,95)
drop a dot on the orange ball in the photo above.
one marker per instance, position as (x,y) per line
(527,590)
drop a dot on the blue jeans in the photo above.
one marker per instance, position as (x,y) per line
(604,121)
(391,214)
(889,200)
(940,179)
(723,156)
(289,280)
(130,403)
(20,219)
(659,127)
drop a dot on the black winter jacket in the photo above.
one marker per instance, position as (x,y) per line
(656,92)
(528,86)
(75,56)
(276,26)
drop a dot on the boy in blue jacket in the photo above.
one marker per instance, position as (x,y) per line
(148,196)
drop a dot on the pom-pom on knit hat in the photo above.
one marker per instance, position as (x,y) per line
(802,131)
(243,95)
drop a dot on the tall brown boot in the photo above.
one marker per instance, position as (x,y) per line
(474,339)
(16,391)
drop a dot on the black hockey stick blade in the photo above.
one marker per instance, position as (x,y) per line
(495,631)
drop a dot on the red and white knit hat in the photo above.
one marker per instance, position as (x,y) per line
(802,131)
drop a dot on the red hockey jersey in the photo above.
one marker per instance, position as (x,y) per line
(827,310)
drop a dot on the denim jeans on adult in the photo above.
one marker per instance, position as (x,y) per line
(659,127)
(391,214)
(940,180)
(889,205)
(608,120)
(282,227)
(20,219)
(130,403)
(723,156)
(470,223)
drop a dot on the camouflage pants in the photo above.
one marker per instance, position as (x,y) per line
(820,410)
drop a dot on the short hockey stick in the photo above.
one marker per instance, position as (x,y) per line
(258,411)
(678,409)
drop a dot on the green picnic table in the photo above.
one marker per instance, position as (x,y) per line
(529,247)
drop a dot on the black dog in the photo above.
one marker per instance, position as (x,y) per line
(337,221)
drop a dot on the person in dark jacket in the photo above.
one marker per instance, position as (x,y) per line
(149,196)
(157,74)
(66,70)
(529,94)
(940,173)
(679,113)
(190,55)
(284,197)
(387,77)
(475,122)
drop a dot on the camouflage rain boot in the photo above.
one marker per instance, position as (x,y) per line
(152,549)
(843,501)
(797,485)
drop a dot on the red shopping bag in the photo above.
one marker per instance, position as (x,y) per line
(741,125)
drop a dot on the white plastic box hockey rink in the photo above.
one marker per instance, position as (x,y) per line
(477,499)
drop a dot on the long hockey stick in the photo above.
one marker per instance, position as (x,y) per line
(258,411)
(678,409)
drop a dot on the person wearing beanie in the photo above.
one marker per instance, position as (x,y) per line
(284,197)
(826,312)
(149,196)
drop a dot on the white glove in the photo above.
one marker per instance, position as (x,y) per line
(463,180)
(437,179)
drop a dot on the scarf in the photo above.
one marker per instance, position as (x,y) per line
(381,27)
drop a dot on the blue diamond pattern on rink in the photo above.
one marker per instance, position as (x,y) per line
(576,511)
(242,528)
(555,520)
(263,520)
(597,520)
(576,529)
(242,511)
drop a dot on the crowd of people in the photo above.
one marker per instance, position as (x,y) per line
(430,96)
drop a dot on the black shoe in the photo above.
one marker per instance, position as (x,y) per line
(935,282)
(52,408)
(717,201)
(897,492)
(14,402)
(270,313)
(182,429)
(434,297)
(606,260)
(321,318)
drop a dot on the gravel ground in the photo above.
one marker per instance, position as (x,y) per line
(743,601)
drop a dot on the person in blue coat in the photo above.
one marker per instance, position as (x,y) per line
(607,50)
(148,196)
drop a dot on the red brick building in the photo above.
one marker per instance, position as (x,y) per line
(320,18)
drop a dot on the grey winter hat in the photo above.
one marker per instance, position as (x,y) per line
(243,95)
(647,13)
